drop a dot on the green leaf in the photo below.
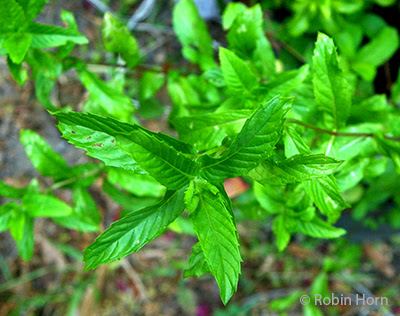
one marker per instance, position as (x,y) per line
(26,243)
(245,31)
(232,10)
(138,184)
(372,24)
(311,310)
(297,168)
(208,130)
(192,32)
(380,190)
(281,232)
(248,206)
(97,135)
(197,263)
(182,225)
(385,3)
(19,72)
(39,205)
(253,144)
(181,93)
(127,201)
(349,39)
(17,222)
(11,17)
(46,69)
(104,99)
(89,123)
(317,228)
(17,46)
(351,173)
(323,191)
(118,39)
(9,191)
(238,75)
(284,82)
(151,108)
(246,37)
(6,213)
(132,232)
(298,203)
(69,19)
(163,162)
(284,303)
(32,7)
(294,143)
(94,134)
(43,88)
(263,57)
(346,148)
(43,157)
(389,149)
(372,109)
(271,198)
(85,216)
(326,195)
(380,49)
(45,36)
(160,155)
(217,234)
(320,285)
(215,77)
(191,94)
(150,83)
(332,91)
(395,91)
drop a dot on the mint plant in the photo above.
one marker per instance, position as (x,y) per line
(32,202)
(312,140)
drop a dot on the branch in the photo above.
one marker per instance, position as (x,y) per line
(338,134)
(286,46)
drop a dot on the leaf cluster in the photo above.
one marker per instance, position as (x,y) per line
(311,139)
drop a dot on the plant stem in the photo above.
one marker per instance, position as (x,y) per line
(65,182)
(338,134)
(286,46)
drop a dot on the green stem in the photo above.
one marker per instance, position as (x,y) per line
(65,182)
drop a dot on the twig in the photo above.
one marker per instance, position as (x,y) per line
(158,44)
(388,76)
(362,289)
(151,28)
(286,46)
(338,134)
(134,278)
(142,12)
(99,5)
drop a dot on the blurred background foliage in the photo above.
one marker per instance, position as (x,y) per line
(365,261)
